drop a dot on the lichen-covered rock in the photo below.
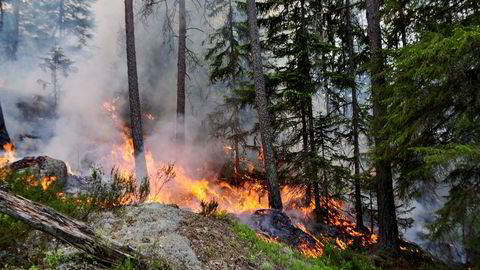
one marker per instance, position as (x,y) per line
(152,230)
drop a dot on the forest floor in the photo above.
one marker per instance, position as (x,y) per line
(185,240)
(174,237)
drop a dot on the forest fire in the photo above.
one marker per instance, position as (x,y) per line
(8,154)
(47,181)
(184,190)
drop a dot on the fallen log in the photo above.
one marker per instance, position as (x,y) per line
(68,230)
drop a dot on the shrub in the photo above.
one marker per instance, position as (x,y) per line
(209,208)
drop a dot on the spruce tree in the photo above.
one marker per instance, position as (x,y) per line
(387,219)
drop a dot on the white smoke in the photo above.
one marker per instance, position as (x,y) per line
(84,131)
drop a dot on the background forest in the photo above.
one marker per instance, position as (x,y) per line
(371,103)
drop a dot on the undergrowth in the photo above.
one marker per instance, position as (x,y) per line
(281,256)
(109,195)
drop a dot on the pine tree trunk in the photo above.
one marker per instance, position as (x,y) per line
(233,62)
(306,168)
(61,18)
(13,46)
(67,230)
(324,172)
(134,97)
(181,73)
(387,221)
(313,154)
(355,118)
(55,86)
(4,138)
(2,12)
(274,199)
(403,24)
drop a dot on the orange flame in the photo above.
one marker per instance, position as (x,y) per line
(187,191)
(47,181)
(8,154)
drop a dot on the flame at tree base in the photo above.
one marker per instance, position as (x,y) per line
(174,185)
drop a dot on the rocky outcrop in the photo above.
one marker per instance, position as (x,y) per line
(45,168)
(41,167)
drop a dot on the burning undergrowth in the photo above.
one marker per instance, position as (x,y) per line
(176,183)
(275,225)
(171,184)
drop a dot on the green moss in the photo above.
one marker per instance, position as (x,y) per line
(125,265)
(53,259)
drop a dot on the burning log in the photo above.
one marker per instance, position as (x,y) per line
(67,230)
(275,224)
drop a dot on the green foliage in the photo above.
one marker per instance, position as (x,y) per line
(156,264)
(53,259)
(347,259)
(161,264)
(125,265)
(11,230)
(119,189)
(100,196)
(281,258)
(433,124)
(26,185)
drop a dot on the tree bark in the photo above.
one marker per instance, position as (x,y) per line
(67,230)
(4,138)
(274,199)
(181,73)
(355,118)
(134,97)
(61,18)
(233,61)
(2,12)
(387,221)
(13,46)
(305,156)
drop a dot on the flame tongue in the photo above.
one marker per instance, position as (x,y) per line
(187,191)
(8,154)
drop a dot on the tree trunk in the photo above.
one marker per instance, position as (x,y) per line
(67,230)
(55,84)
(325,171)
(181,73)
(2,12)
(387,221)
(61,18)
(372,225)
(233,61)
(307,167)
(134,97)
(355,118)
(274,199)
(313,149)
(4,138)
(13,46)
